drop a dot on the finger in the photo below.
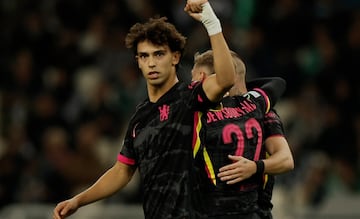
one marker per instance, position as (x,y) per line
(199,2)
(56,214)
(230,182)
(187,8)
(228,167)
(231,177)
(234,171)
(234,157)
(229,172)
(195,6)
(224,173)
(192,8)
(64,211)
(196,16)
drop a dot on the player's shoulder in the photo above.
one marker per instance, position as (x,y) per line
(141,110)
(256,93)
(272,114)
(143,104)
(255,96)
(258,97)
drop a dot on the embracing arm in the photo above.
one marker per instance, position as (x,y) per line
(280,159)
(276,145)
(110,182)
(273,86)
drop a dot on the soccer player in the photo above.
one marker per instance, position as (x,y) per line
(236,128)
(158,140)
(277,152)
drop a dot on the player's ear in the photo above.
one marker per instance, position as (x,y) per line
(202,75)
(176,58)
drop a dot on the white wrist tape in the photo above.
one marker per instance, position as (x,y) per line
(209,19)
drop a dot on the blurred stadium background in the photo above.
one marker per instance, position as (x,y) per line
(68,86)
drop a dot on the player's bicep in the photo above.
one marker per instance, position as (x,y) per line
(275,144)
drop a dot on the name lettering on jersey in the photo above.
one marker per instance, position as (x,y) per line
(164,112)
(246,106)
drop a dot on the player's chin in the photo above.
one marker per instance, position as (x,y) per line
(156,82)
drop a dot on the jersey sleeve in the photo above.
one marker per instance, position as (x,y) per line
(127,153)
(198,101)
(274,87)
(261,98)
(273,125)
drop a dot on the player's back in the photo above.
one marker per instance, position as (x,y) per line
(235,128)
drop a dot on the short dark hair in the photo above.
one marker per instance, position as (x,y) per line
(159,32)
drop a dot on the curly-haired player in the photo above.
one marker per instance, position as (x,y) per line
(158,141)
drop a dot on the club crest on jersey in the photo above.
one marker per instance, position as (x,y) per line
(164,112)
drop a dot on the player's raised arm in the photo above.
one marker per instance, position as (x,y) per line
(215,86)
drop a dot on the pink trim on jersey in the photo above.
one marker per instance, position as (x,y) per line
(266,98)
(125,160)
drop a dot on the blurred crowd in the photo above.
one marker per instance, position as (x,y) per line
(68,87)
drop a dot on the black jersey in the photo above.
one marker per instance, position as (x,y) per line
(272,127)
(159,142)
(235,128)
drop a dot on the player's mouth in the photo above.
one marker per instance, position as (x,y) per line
(153,75)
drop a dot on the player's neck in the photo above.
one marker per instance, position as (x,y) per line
(156,92)
(237,91)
